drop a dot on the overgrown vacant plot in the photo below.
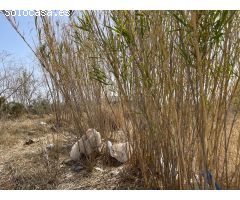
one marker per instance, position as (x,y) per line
(25,166)
(166,82)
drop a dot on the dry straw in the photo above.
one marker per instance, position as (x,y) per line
(167,78)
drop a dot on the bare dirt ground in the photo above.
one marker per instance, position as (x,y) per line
(26,164)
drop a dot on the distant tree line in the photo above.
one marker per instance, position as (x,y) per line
(20,90)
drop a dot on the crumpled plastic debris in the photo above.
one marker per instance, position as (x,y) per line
(120,151)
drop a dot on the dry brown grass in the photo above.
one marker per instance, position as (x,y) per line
(29,167)
(26,166)
(23,165)
(175,74)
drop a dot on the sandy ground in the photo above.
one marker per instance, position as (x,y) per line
(26,165)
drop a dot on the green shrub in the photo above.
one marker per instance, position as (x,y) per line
(3,106)
(2,101)
(16,109)
(40,106)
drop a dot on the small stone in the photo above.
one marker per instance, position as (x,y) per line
(68,176)
(99,169)
(77,168)
(50,146)
(43,123)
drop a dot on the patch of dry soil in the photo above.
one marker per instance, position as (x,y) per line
(27,165)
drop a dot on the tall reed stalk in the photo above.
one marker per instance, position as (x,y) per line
(174,73)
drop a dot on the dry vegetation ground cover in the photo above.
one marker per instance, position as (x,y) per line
(28,166)
(174,76)
(25,166)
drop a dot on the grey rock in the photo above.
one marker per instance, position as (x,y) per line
(77,168)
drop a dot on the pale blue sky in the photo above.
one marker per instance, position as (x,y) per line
(20,53)
(12,43)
